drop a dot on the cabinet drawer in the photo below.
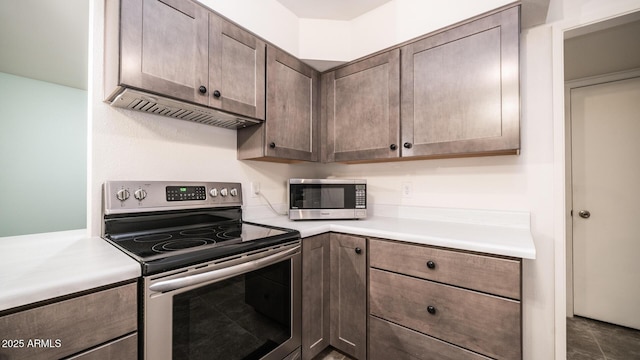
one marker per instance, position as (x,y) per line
(493,275)
(483,323)
(72,325)
(121,349)
(390,341)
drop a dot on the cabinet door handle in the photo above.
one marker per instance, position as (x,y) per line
(431,264)
(202,89)
(408,145)
(393,146)
(358,250)
(272,145)
(216,93)
(431,310)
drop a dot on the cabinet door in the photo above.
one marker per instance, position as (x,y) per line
(460,89)
(164,47)
(291,130)
(315,295)
(236,69)
(361,105)
(349,294)
(292,107)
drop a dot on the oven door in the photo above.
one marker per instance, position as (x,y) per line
(244,307)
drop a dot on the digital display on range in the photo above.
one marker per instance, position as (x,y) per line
(186,193)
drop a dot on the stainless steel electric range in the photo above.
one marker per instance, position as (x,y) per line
(214,286)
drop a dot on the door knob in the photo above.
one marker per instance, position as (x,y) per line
(585,214)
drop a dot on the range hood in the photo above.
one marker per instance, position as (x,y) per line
(155,104)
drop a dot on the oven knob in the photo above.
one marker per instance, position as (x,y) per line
(213,192)
(234,192)
(140,194)
(122,194)
(224,192)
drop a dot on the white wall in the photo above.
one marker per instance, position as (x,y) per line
(331,40)
(569,16)
(401,20)
(42,156)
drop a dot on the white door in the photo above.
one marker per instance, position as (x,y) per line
(605,125)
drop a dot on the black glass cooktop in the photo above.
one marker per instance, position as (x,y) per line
(168,249)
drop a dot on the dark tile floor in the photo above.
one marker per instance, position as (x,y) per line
(331,354)
(595,340)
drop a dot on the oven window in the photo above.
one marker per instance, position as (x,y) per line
(244,317)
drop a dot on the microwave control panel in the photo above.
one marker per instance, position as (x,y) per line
(361,196)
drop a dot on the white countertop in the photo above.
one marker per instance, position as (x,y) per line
(498,233)
(43,266)
(39,267)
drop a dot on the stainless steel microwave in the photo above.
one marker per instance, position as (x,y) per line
(317,199)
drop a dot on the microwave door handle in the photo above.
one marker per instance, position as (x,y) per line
(224,273)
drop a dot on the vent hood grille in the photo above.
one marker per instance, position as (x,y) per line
(159,105)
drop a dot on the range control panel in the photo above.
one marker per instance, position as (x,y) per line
(142,196)
(186,193)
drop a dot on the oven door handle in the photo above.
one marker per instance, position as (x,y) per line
(224,273)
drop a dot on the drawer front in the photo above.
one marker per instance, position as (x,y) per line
(121,349)
(478,272)
(70,326)
(390,341)
(483,323)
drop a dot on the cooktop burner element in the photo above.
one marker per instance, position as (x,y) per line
(154,238)
(164,226)
(175,245)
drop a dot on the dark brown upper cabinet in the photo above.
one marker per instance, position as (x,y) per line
(361,109)
(236,69)
(291,129)
(163,47)
(179,49)
(460,89)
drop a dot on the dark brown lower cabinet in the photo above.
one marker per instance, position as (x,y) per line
(433,303)
(315,295)
(383,299)
(98,325)
(334,295)
(349,294)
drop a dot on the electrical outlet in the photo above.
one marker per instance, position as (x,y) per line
(255,189)
(406,190)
